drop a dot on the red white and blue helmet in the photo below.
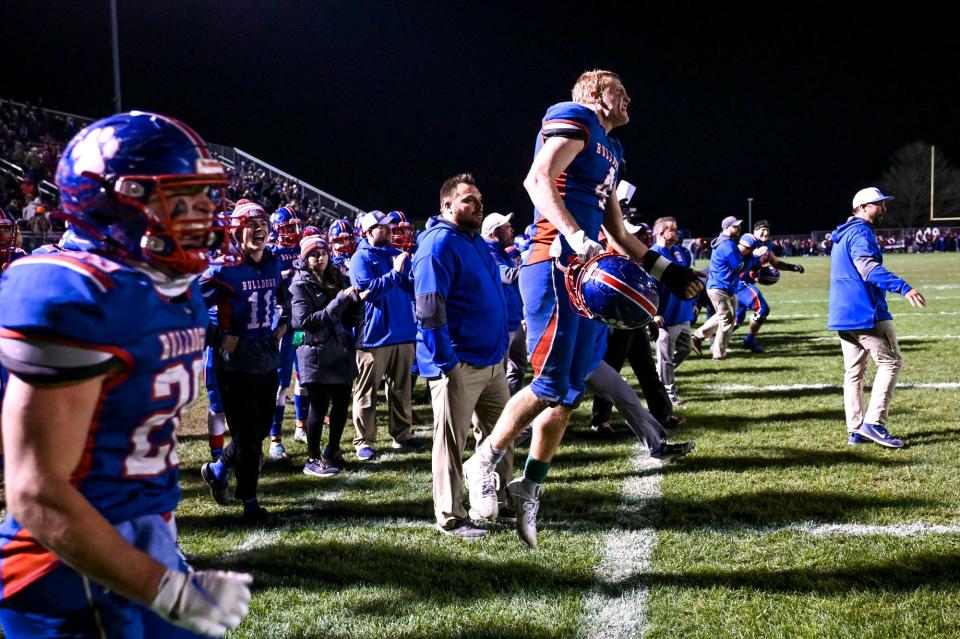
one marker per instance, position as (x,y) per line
(614,290)
(121,180)
(768,275)
(403,234)
(341,237)
(8,231)
(286,227)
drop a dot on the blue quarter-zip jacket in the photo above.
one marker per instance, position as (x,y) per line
(461,310)
(388,311)
(858,279)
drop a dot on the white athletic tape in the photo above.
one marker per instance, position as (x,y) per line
(610,610)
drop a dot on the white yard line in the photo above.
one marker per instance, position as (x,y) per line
(609,610)
(786,387)
(892,530)
(900,338)
(824,315)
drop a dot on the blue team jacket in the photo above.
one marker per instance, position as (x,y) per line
(388,311)
(858,279)
(725,265)
(461,310)
(673,309)
(511,290)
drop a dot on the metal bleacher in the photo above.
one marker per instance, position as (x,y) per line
(237,161)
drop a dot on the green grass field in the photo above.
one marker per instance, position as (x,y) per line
(772,527)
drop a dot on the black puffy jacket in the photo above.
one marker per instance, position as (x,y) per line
(328,352)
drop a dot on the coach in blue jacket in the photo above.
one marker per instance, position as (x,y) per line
(858,310)
(498,233)
(726,261)
(385,340)
(461,341)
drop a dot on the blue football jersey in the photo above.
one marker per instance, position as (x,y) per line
(244,297)
(587,182)
(74,315)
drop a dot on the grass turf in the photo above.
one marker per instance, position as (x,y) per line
(736,550)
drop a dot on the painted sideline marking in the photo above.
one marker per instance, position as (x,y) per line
(785,387)
(609,610)
(893,530)
(900,338)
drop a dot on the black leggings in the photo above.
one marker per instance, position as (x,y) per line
(335,396)
(248,403)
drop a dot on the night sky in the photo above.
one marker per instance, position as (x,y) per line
(378,102)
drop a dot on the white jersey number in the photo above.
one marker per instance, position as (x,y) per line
(147,457)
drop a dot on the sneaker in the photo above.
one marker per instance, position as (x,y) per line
(696,344)
(464,530)
(674,421)
(277,452)
(856,439)
(256,515)
(219,490)
(507,515)
(667,453)
(334,458)
(605,429)
(525,497)
(365,453)
(300,435)
(879,434)
(414,443)
(319,468)
(482,483)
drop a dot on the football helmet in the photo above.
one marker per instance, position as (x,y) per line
(128,181)
(768,275)
(286,228)
(612,289)
(342,239)
(403,234)
(310,230)
(9,236)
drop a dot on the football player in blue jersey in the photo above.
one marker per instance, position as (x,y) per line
(103,348)
(9,241)
(749,296)
(575,170)
(286,230)
(252,315)
(343,244)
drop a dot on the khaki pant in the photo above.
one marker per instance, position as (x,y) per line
(721,322)
(880,343)
(673,347)
(477,391)
(394,362)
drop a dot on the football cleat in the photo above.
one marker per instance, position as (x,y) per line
(482,483)
(667,453)
(525,497)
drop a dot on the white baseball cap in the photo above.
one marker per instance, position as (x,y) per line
(494,221)
(869,195)
(375,218)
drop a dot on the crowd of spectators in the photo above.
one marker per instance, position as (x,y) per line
(928,240)
(32,138)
